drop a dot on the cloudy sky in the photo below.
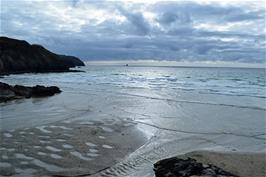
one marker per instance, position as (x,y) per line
(232,31)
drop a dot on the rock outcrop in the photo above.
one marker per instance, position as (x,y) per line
(8,92)
(177,167)
(18,56)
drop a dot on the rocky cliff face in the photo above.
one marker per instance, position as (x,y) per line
(17,56)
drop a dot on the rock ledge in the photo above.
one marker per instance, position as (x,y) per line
(8,92)
(177,167)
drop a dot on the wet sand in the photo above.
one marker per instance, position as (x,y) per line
(89,148)
(67,148)
(241,164)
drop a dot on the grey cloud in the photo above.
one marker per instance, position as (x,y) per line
(246,16)
(167,18)
(208,12)
(137,20)
(171,35)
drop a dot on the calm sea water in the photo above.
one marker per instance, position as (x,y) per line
(165,82)
(179,109)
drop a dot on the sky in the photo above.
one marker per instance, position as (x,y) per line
(181,31)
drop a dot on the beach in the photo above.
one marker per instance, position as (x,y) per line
(67,148)
(240,164)
(119,121)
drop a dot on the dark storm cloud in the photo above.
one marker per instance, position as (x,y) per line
(117,30)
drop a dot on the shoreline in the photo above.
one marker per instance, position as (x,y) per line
(242,164)
(103,148)
(140,126)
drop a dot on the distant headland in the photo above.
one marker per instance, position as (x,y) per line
(18,56)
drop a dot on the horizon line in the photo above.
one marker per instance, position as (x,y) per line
(169,63)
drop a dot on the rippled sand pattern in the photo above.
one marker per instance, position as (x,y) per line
(64,149)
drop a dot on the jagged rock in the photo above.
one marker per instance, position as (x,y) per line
(8,92)
(18,56)
(176,167)
(39,91)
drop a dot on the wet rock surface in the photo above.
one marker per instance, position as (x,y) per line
(177,167)
(67,148)
(8,92)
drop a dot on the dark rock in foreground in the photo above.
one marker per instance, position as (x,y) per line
(176,167)
(8,92)
(19,56)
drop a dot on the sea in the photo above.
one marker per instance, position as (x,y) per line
(178,109)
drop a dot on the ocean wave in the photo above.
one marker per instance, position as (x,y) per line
(195,102)
(233,94)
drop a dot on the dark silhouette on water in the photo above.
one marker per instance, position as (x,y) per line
(8,92)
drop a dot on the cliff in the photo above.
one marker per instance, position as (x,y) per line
(18,56)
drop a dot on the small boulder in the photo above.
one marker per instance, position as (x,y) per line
(39,91)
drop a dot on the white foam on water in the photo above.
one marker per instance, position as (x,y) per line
(93,150)
(62,127)
(22,132)
(2,149)
(67,121)
(42,129)
(44,136)
(10,150)
(45,142)
(36,147)
(24,163)
(22,156)
(107,146)
(79,155)
(128,124)
(31,133)
(60,140)
(4,157)
(4,165)
(107,129)
(91,144)
(67,134)
(55,156)
(101,137)
(41,153)
(86,123)
(53,149)
(67,146)
(92,154)
(46,166)
(8,135)
(53,126)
